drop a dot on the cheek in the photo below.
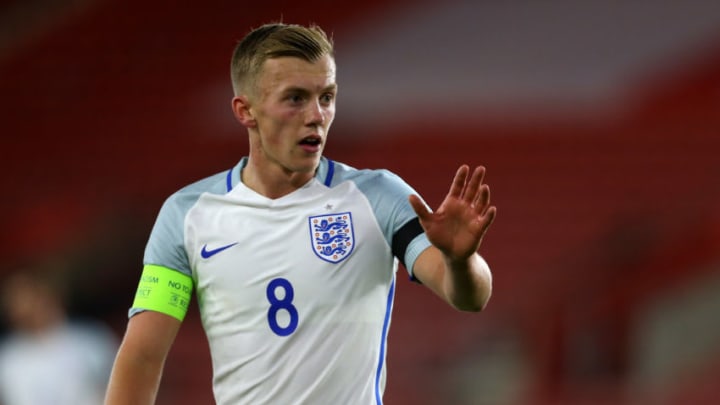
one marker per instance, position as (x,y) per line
(273,127)
(283,120)
(279,133)
(330,115)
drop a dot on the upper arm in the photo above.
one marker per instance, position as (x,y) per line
(138,367)
(150,334)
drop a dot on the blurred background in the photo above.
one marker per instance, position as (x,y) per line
(598,121)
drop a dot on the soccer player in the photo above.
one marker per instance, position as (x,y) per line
(293,256)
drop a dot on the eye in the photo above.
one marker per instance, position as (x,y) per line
(327,98)
(295,98)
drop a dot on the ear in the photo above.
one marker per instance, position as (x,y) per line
(242,111)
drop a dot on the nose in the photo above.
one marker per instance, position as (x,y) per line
(316,114)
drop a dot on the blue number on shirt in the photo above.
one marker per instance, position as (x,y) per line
(276,304)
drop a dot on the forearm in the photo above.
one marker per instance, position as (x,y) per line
(134,380)
(467,284)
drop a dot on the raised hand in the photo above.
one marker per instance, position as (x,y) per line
(457,227)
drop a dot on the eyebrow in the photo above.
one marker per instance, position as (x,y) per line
(295,89)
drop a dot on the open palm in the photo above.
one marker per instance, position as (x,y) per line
(457,227)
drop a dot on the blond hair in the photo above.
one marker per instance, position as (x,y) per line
(273,41)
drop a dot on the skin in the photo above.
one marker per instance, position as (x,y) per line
(452,268)
(138,367)
(294,101)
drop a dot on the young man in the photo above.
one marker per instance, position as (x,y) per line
(293,256)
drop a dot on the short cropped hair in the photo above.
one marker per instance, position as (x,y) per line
(275,40)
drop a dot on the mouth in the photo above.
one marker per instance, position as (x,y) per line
(311,143)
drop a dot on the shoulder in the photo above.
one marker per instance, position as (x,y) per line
(214,184)
(386,191)
(185,197)
(376,178)
(171,218)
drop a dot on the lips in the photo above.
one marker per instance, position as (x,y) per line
(311,140)
(311,143)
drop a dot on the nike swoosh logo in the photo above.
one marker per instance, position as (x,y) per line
(206,254)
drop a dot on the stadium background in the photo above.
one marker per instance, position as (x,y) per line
(599,123)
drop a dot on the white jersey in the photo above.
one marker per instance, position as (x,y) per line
(295,293)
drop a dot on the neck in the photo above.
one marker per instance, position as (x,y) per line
(273,182)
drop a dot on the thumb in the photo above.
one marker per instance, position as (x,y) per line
(422,210)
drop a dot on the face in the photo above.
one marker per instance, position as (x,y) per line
(289,114)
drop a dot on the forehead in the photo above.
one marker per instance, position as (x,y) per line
(284,72)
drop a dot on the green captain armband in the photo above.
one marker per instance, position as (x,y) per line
(164,290)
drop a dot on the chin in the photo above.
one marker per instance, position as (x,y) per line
(309,164)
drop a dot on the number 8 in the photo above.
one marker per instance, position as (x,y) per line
(278,304)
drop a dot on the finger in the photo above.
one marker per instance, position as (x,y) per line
(422,211)
(487,220)
(471,191)
(458,184)
(483,199)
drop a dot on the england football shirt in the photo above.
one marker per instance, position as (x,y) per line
(295,293)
